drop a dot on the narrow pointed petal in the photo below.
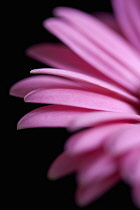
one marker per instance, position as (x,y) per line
(128,138)
(50,116)
(91,192)
(97,118)
(78,98)
(92,138)
(23,87)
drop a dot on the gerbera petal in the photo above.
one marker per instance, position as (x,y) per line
(109,20)
(94,84)
(102,35)
(96,170)
(126,139)
(59,56)
(21,88)
(92,138)
(65,164)
(50,116)
(96,118)
(130,166)
(128,16)
(78,98)
(92,191)
(102,51)
(87,50)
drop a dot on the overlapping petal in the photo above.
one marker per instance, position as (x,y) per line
(94,86)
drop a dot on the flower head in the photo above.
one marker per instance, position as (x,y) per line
(94,85)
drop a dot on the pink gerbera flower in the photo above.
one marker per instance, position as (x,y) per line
(94,89)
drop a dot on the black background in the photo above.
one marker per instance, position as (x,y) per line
(29,153)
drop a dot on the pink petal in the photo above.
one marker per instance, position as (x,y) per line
(108,19)
(60,56)
(96,170)
(128,138)
(128,16)
(130,166)
(92,83)
(78,98)
(95,189)
(102,35)
(66,164)
(96,118)
(23,87)
(63,165)
(106,53)
(87,50)
(92,138)
(50,116)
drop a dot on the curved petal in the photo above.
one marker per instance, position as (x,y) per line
(59,56)
(95,189)
(96,170)
(124,140)
(91,139)
(116,61)
(96,118)
(50,116)
(92,83)
(130,166)
(103,35)
(128,16)
(108,19)
(78,98)
(23,87)
(88,50)
(65,164)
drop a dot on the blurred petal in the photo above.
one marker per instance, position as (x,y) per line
(124,140)
(87,50)
(128,16)
(108,19)
(130,166)
(92,138)
(59,56)
(96,170)
(65,164)
(96,118)
(95,189)
(101,34)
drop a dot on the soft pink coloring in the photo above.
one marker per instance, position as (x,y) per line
(94,85)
